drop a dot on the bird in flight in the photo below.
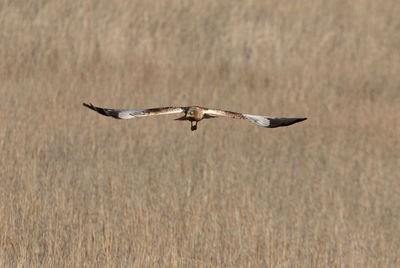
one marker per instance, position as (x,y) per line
(194,114)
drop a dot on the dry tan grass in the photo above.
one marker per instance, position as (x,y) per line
(81,190)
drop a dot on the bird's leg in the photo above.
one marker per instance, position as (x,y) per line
(193,127)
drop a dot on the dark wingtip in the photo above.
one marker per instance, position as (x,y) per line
(92,107)
(97,109)
(283,122)
(88,105)
(301,119)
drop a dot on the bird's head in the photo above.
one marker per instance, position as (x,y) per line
(190,113)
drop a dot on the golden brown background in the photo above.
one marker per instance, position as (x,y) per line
(81,190)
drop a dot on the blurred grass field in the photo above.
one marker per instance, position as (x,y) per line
(82,190)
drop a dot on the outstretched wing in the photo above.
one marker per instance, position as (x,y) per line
(263,121)
(216,113)
(131,113)
(272,122)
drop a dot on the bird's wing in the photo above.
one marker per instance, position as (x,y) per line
(263,121)
(216,113)
(131,113)
(272,122)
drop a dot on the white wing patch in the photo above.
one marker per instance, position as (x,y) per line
(128,114)
(259,120)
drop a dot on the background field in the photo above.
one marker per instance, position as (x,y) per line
(81,190)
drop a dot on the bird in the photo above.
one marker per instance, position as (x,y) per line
(195,114)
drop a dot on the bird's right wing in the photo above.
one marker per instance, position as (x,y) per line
(132,113)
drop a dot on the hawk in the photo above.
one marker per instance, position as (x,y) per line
(194,114)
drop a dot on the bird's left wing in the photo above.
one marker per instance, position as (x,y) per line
(132,113)
(216,113)
(259,120)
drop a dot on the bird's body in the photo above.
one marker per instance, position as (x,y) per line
(194,114)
